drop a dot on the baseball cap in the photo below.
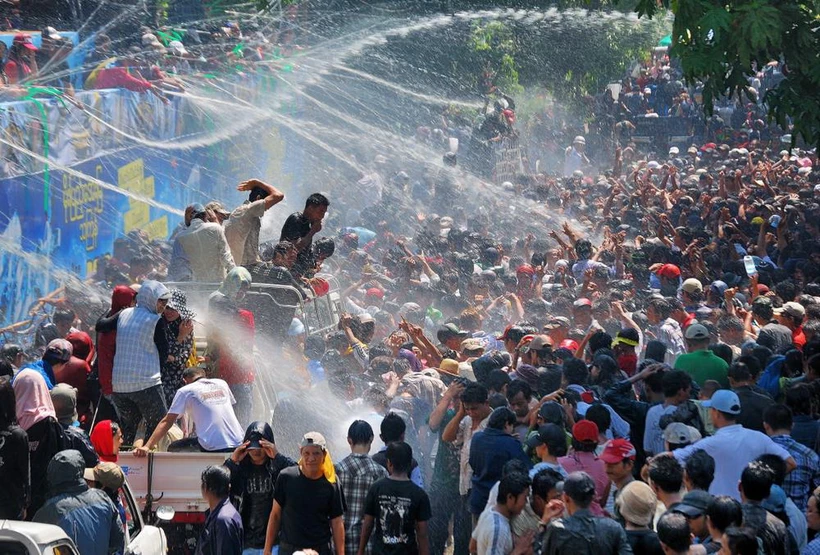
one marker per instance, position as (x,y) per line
(582,302)
(579,140)
(177,48)
(557,322)
(724,400)
(24,40)
(552,412)
(793,309)
(313,438)
(679,433)
(692,285)
(472,344)
(538,343)
(694,503)
(585,430)
(616,450)
(59,350)
(51,33)
(217,208)
(668,271)
(451,329)
(637,503)
(197,208)
(696,331)
(106,473)
(569,344)
(546,434)
(375,292)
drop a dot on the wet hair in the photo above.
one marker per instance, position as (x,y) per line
(193,372)
(709,388)
(474,393)
(724,512)
(513,484)
(314,346)
(545,481)
(663,308)
(752,363)
(8,413)
(674,381)
(741,540)
(740,372)
(656,350)
(63,316)
(496,380)
(519,386)
(580,487)
(756,480)
(700,468)
(778,417)
(599,340)
(576,372)
(317,199)
(666,473)
(557,444)
(325,247)
(497,400)
(723,351)
(216,480)
(674,532)
(799,399)
(400,455)
(258,193)
(777,466)
(501,417)
(512,466)
(600,415)
(392,428)
(360,433)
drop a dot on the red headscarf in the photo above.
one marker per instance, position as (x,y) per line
(83,346)
(102,438)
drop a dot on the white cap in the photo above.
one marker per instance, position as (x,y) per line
(177,47)
(579,140)
(149,38)
(674,151)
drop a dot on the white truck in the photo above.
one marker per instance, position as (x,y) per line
(33,538)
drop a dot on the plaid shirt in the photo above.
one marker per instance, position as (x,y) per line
(356,473)
(801,481)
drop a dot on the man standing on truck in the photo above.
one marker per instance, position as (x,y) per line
(243,224)
(300,227)
(255,465)
(210,402)
(308,503)
(222,532)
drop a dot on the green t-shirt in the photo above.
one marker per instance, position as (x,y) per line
(704,365)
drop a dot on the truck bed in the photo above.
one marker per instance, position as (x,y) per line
(176,478)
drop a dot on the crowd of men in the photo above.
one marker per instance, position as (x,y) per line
(642,379)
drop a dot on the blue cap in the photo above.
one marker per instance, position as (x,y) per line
(724,400)
(197,208)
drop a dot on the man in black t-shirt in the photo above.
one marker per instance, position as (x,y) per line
(300,227)
(307,506)
(396,510)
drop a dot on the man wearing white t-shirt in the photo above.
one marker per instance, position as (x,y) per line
(210,404)
(492,534)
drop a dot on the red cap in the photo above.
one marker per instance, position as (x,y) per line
(570,344)
(616,450)
(762,289)
(585,430)
(375,292)
(503,336)
(525,269)
(24,39)
(668,271)
(583,301)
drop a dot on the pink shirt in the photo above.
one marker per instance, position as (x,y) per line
(592,465)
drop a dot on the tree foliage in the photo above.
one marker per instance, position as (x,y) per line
(724,42)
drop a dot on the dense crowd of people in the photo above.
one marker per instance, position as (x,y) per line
(642,379)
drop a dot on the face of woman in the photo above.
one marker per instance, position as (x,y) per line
(117,440)
(170,314)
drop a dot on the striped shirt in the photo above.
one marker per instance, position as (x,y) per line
(492,533)
(801,481)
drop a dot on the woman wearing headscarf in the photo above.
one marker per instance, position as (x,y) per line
(107,440)
(36,415)
(179,332)
(230,340)
(15,478)
(122,298)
